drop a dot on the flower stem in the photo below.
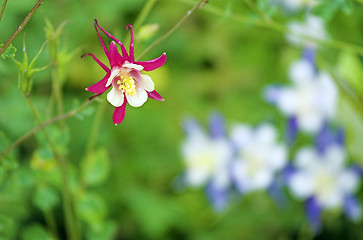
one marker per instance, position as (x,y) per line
(2,9)
(331,43)
(67,203)
(175,27)
(22,25)
(144,13)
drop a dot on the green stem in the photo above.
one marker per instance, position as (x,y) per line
(41,126)
(95,128)
(175,27)
(49,218)
(331,43)
(144,13)
(2,9)
(22,25)
(67,203)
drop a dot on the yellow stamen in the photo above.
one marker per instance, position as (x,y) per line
(127,85)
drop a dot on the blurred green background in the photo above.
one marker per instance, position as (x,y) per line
(125,179)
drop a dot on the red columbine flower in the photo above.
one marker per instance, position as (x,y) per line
(127,82)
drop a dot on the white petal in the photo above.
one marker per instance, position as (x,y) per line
(302,72)
(114,73)
(133,66)
(138,99)
(287,102)
(241,134)
(265,134)
(147,83)
(116,98)
(301,185)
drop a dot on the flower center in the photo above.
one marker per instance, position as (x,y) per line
(127,84)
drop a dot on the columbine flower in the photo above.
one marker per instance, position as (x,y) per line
(206,157)
(259,157)
(303,33)
(320,177)
(311,101)
(124,76)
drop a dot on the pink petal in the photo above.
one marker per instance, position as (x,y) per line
(153,64)
(155,95)
(119,113)
(98,61)
(123,49)
(132,58)
(114,56)
(99,36)
(100,86)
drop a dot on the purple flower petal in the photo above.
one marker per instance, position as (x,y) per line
(218,197)
(98,61)
(314,214)
(155,95)
(123,49)
(352,208)
(291,130)
(100,86)
(132,58)
(119,113)
(153,64)
(217,126)
(287,172)
(309,55)
(114,56)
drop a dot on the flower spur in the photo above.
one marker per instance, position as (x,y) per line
(124,76)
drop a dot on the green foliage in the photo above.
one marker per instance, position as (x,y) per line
(35,231)
(95,167)
(327,9)
(91,209)
(9,52)
(27,70)
(45,198)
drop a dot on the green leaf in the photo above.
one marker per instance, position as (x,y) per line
(45,198)
(9,52)
(96,167)
(327,9)
(37,232)
(351,69)
(8,162)
(106,232)
(92,210)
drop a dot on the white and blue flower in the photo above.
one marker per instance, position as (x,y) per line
(259,157)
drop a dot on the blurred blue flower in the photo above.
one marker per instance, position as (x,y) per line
(310,102)
(320,177)
(259,157)
(206,157)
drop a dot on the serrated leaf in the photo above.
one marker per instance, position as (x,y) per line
(9,52)
(91,209)
(45,198)
(95,168)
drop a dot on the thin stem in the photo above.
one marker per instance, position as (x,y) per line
(67,204)
(331,43)
(41,126)
(260,13)
(144,13)
(2,9)
(22,25)
(175,27)
(49,218)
